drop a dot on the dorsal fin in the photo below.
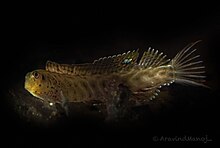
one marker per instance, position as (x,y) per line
(151,58)
(111,64)
(70,69)
(117,63)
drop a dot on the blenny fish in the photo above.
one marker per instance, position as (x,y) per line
(111,78)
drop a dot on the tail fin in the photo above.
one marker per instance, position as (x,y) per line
(188,69)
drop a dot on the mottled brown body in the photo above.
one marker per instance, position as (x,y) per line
(74,88)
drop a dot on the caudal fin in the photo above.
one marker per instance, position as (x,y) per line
(188,68)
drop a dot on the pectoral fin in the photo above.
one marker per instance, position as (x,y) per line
(64,103)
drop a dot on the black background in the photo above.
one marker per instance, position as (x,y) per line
(77,34)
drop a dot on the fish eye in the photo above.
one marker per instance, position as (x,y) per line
(36,75)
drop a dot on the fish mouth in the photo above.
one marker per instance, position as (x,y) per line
(30,89)
(36,96)
(26,84)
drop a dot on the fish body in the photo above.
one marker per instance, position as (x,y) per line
(49,85)
(102,79)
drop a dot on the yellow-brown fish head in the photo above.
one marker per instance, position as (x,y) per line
(34,83)
(39,83)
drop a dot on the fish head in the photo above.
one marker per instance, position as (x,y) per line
(42,85)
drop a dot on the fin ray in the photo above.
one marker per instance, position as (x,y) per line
(151,58)
(187,68)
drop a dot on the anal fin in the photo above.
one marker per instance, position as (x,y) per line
(143,97)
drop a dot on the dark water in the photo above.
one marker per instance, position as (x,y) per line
(83,37)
